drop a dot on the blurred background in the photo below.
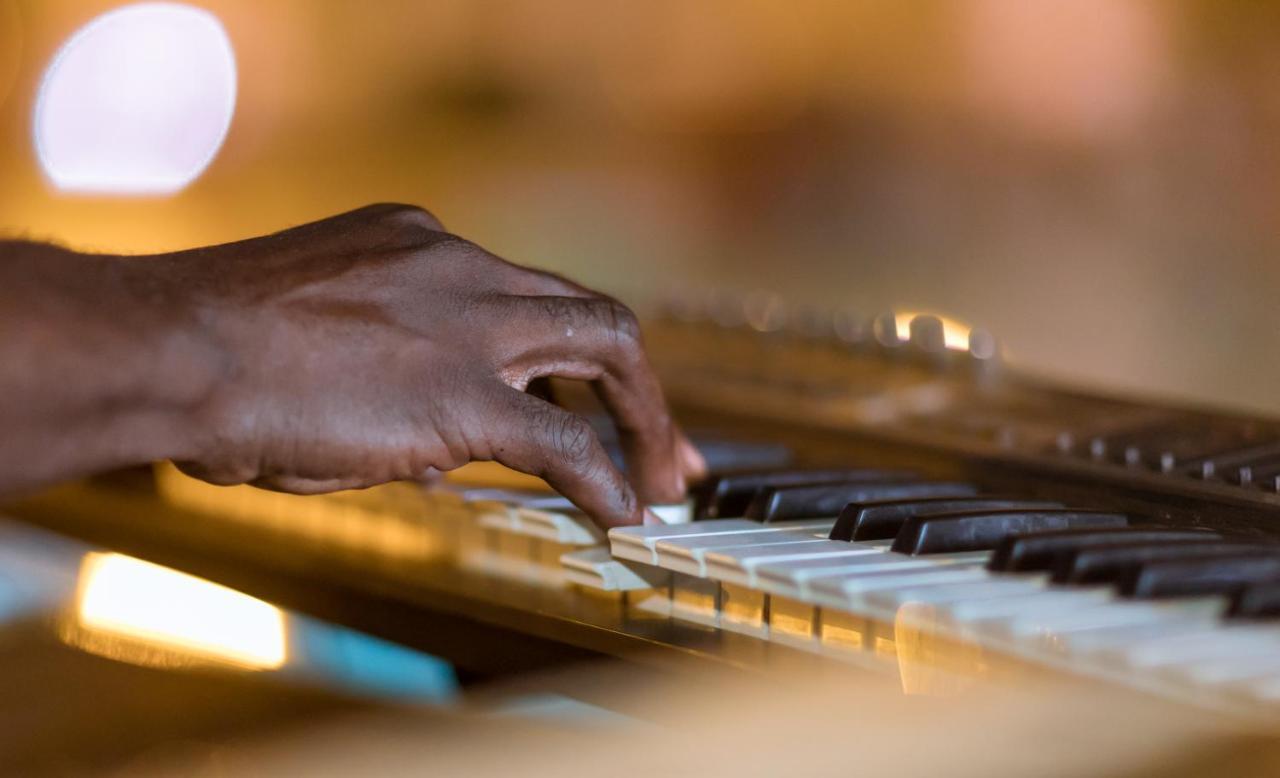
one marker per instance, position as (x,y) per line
(1096,181)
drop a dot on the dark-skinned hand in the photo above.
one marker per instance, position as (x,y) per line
(364,348)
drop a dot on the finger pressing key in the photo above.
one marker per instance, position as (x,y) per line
(598,339)
(535,437)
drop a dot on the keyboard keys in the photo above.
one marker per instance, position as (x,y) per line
(728,456)
(793,577)
(849,591)
(1170,620)
(1193,646)
(728,496)
(1229,669)
(881,519)
(1192,577)
(738,564)
(970,591)
(1065,626)
(677,513)
(1040,550)
(979,565)
(1108,564)
(688,555)
(1040,602)
(595,568)
(557,522)
(974,531)
(794,502)
(637,543)
(1260,600)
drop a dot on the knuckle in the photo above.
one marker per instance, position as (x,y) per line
(563,311)
(456,249)
(406,216)
(406,226)
(610,317)
(574,440)
(569,439)
(435,250)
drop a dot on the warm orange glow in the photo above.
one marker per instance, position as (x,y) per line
(10,46)
(163,609)
(954,334)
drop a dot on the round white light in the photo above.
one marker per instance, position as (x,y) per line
(138,101)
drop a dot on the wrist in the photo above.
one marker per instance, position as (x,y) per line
(175,363)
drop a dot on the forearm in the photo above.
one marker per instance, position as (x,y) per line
(100,366)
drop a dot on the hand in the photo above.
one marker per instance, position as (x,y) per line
(375,346)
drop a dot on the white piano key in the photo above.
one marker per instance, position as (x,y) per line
(1168,650)
(794,623)
(544,516)
(637,543)
(689,555)
(695,599)
(793,578)
(499,518)
(497,495)
(995,586)
(847,592)
(1172,618)
(1033,603)
(1265,690)
(742,610)
(595,568)
(1035,627)
(1226,671)
(499,509)
(677,513)
(569,527)
(738,564)
(493,503)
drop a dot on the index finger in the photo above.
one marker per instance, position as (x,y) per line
(598,339)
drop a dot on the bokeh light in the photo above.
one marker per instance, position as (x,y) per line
(955,334)
(127,597)
(136,102)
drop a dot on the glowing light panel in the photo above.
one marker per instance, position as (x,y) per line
(954,334)
(131,598)
(138,101)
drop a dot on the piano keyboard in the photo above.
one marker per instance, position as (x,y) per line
(1187,612)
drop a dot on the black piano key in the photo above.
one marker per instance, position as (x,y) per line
(724,457)
(1199,577)
(1108,564)
(881,519)
(1039,551)
(981,530)
(728,496)
(805,502)
(1257,600)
